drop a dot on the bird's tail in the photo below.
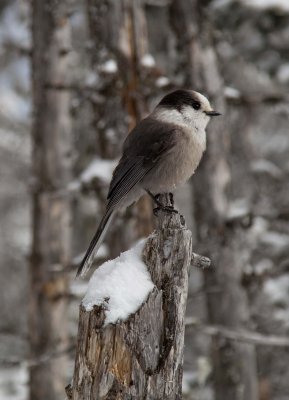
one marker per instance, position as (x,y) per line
(95,244)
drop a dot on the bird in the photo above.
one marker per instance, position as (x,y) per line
(161,152)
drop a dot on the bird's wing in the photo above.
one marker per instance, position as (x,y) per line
(142,150)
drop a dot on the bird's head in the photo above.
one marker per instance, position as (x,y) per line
(186,107)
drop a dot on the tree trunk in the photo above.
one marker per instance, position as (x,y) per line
(51,164)
(235,369)
(142,357)
(234,364)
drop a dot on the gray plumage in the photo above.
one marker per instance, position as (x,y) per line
(162,151)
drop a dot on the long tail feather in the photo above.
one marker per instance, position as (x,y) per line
(94,244)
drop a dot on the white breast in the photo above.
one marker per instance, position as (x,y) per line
(180,163)
(189,153)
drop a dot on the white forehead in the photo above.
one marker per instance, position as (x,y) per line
(203,100)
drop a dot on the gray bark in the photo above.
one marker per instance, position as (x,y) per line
(51,164)
(142,357)
(234,364)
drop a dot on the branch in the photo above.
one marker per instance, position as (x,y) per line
(201,262)
(43,359)
(240,335)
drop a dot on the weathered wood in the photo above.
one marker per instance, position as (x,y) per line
(141,358)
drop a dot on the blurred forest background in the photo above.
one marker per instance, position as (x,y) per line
(75,76)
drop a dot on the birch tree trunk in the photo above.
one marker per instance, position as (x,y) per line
(51,164)
(234,364)
(142,357)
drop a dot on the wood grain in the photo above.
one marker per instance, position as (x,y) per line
(141,358)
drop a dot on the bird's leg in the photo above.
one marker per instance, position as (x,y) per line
(155,198)
(172,199)
(160,206)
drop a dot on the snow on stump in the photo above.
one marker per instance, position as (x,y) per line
(131,323)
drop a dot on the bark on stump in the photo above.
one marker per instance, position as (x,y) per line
(141,358)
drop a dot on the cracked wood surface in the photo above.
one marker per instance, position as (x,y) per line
(141,358)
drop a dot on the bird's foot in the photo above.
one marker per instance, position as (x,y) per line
(160,206)
(167,209)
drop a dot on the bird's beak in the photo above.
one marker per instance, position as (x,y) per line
(212,113)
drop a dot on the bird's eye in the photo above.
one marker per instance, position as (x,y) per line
(196,105)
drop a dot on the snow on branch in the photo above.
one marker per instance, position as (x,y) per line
(98,169)
(97,173)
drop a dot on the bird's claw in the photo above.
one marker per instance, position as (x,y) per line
(167,209)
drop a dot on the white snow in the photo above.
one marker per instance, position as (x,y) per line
(221,3)
(78,288)
(122,284)
(275,240)
(197,378)
(263,266)
(91,78)
(13,25)
(15,76)
(283,73)
(13,106)
(98,168)
(204,369)
(15,143)
(277,291)
(266,166)
(238,208)
(148,61)
(189,381)
(282,5)
(111,134)
(258,229)
(14,383)
(110,67)
(162,81)
(232,93)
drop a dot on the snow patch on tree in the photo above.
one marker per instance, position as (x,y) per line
(148,61)
(122,285)
(282,5)
(98,168)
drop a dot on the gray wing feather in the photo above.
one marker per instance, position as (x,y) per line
(142,149)
(126,181)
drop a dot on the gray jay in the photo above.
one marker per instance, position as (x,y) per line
(161,152)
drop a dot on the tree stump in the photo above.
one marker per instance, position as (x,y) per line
(142,357)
